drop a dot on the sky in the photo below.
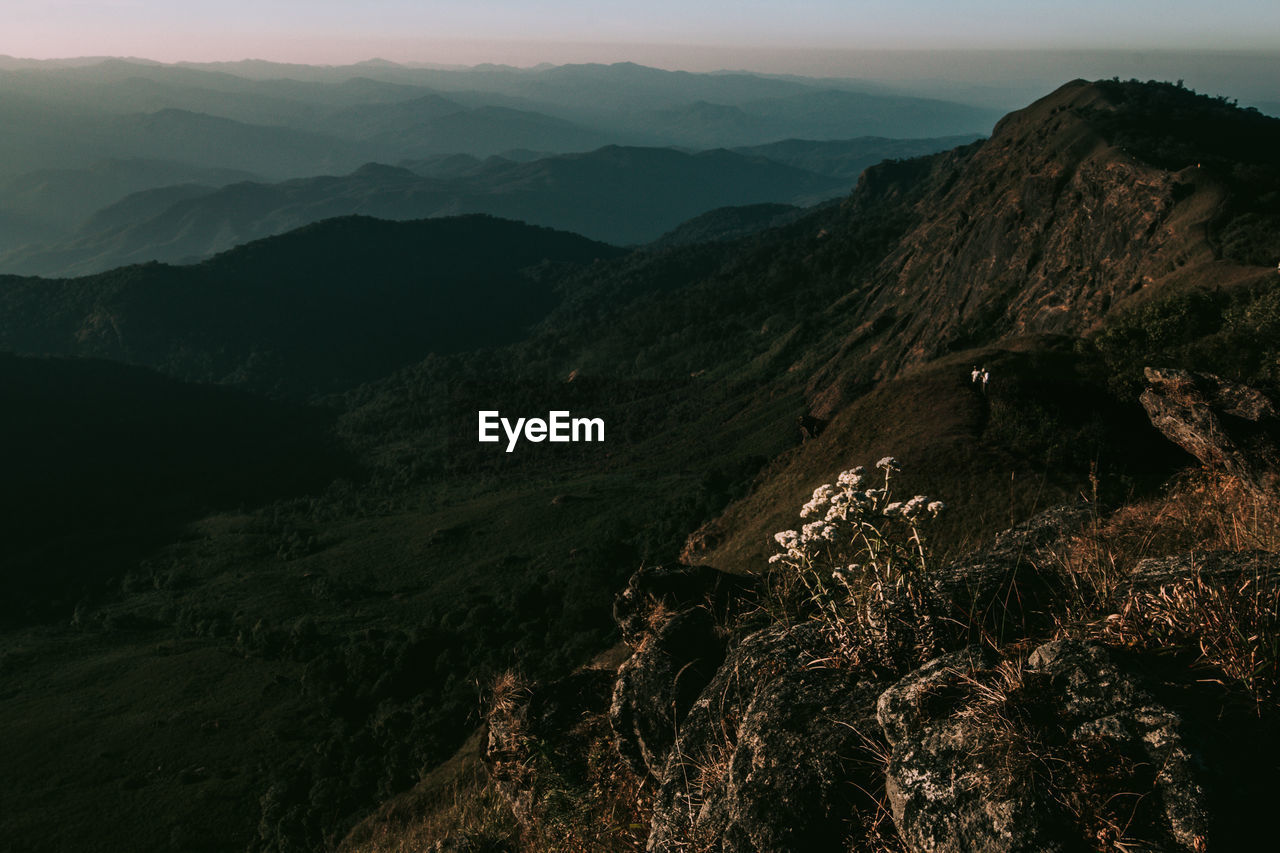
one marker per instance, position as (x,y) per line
(690,34)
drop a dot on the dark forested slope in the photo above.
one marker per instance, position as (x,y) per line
(320,309)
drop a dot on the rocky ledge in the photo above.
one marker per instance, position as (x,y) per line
(754,740)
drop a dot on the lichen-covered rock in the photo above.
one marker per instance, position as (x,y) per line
(1104,705)
(1061,754)
(801,768)
(657,685)
(1213,566)
(1229,427)
(947,790)
(774,754)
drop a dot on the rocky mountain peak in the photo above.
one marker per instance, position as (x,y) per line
(1045,227)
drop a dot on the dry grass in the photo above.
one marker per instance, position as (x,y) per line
(584,802)
(1200,512)
(576,795)
(607,812)
(704,780)
(454,802)
(1234,624)
(1231,622)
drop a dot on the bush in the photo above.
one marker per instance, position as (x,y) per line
(858,567)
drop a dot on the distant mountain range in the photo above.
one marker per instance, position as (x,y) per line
(286,121)
(81,136)
(615,194)
(280,615)
(56,201)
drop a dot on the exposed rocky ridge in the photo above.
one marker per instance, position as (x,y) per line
(1031,241)
(1044,228)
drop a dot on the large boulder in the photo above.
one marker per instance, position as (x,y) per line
(1229,427)
(672,618)
(1064,752)
(777,754)
(1220,567)
(658,684)
(1003,588)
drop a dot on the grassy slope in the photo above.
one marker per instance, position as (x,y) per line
(504,563)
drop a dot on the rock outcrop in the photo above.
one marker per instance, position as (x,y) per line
(1047,227)
(671,617)
(658,684)
(1229,427)
(774,755)
(1074,745)
(1001,757)
(1213,566)
(1004,587)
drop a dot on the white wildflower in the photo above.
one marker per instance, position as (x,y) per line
(852,478)
(912,507)
(888,463)
(935,507)
(817,530)
(821,495)
(839,506)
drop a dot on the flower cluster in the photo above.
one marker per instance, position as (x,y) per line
(856,562)
(845,509)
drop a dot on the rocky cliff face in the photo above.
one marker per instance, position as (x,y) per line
(1044,228)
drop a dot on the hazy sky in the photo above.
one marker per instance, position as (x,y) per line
(696,34)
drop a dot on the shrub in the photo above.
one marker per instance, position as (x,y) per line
(858,567)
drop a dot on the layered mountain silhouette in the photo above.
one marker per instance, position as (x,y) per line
(822,114)
(286,121)
(619,195)
(52,203)
(614,194)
